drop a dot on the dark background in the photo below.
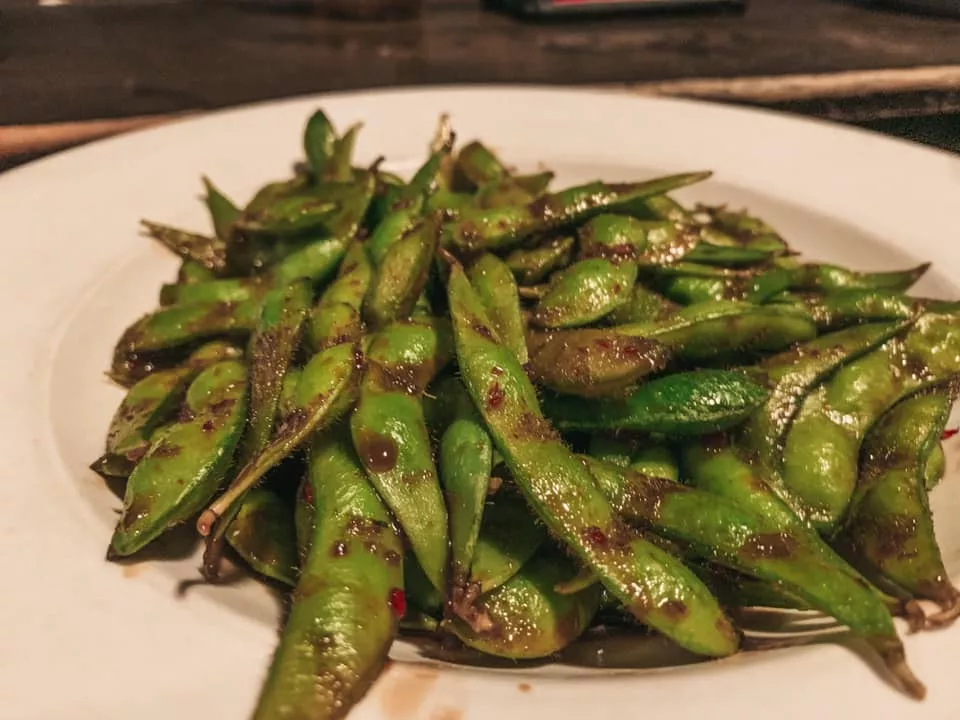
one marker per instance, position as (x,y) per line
(98,60)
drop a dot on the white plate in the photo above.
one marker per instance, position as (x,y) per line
(86,639)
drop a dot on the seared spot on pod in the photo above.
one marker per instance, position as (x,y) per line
(592,535)
(377,452)
(402,377)
(164,450)
(223,407)
(365,527)
(392,558)
(370,546)
(645,494)
(136,454)
(397,600)
(293,422)
(339,549)
(208,426)
(769,545)
(307,493)
(495,396)
(482,330)
(893,535)
(674,610)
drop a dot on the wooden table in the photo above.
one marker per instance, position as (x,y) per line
(79,71)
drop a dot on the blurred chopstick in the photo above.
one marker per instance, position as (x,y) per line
(26,139)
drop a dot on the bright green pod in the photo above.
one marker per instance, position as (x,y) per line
(592,362)
(223,212)
(654,585)
(643,305)
(465,462)
(476,166)
(391,438)
(339,165)
(263,535)
(191,272)
(890,526)
(326,389)
(707,332)
(177,326)
(656,459)
(509,536)
(820,459)
(584,293)
(713,465)
(724,532)
(348,600)
(504,228)
(272,347)
(494,283)
(153,401)
(825,278)
(682,404)
(319,141)
(526,618)
(402,275)
(187,461)
(532,265)
(210,252)
(231,290)
(336,317)
(790,376)
(730,228)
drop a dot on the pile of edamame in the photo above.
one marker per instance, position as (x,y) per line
(473,405)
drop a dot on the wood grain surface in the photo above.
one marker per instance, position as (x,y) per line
(103,61)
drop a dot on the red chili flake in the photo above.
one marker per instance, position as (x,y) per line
(495,396)
(307,493)
(398,602)
(949,433)
(604,344)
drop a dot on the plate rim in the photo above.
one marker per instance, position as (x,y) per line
(25,174)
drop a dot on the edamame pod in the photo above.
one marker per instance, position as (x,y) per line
(504,228)
(890,526)
(592,363)
(348,599)
(187,461)
(391,438)
(210,252)
(495,285)
(532,265)
(263,535)
(707,332)
(656,587)
(509,536)
(691,403)
(527,618)
(465,463)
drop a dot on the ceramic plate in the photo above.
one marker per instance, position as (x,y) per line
(83,638)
